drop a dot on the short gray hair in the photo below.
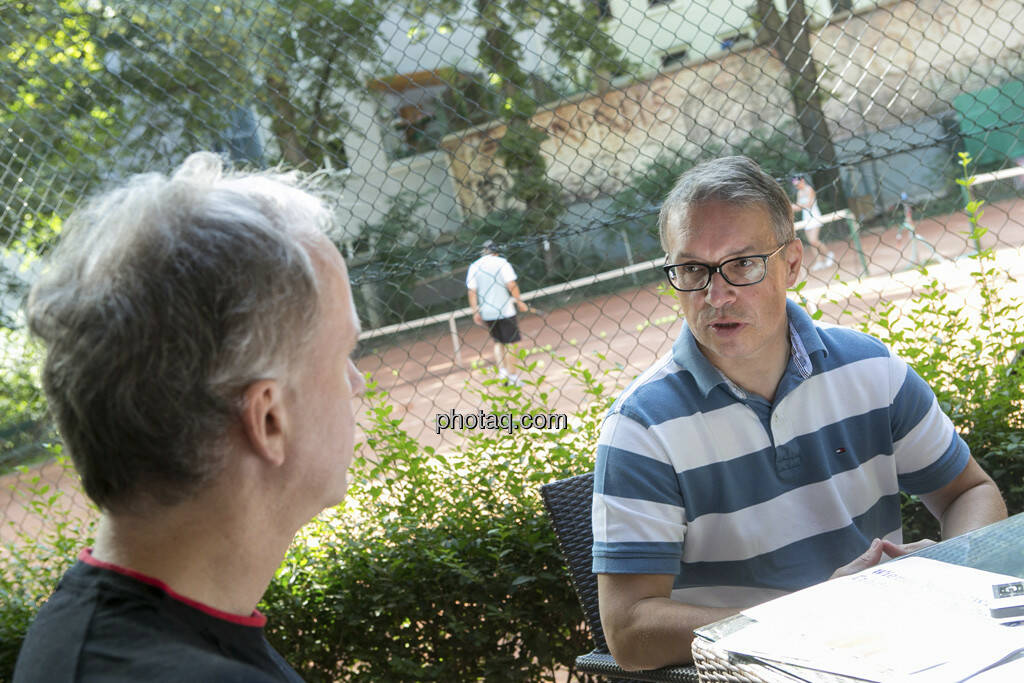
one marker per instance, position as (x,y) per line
(164,300)
(734,180)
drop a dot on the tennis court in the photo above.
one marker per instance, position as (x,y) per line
(633,327)
(629,328)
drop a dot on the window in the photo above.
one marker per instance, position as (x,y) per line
(727,41)
(674,58)
(412,112)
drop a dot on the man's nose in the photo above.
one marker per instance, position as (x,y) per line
(719,291)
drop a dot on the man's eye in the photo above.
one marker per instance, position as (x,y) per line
(745,263)
(691,268)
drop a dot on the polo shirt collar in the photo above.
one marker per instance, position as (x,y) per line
(689,357)
(804,342)
(801,323)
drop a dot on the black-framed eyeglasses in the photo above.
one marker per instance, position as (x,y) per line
(741,271)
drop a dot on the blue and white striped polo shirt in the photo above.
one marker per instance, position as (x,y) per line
(744,500)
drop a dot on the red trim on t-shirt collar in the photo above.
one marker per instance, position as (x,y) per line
(256,619)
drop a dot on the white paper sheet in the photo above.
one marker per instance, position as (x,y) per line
(913,621)
(1011,672)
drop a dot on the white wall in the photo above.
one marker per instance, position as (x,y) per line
(647,32)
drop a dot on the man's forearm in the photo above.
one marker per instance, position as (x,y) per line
(658,632)
(974,508)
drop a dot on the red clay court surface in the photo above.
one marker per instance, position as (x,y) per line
(630,329)
(633,327)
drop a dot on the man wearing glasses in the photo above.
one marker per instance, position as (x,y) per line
(765,453)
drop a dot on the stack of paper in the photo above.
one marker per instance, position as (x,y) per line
(914,621)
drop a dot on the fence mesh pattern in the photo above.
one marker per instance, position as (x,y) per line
(553,128)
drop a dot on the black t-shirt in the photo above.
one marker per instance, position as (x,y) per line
(106,623)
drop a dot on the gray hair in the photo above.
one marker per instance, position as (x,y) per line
(165,298)
(734,180)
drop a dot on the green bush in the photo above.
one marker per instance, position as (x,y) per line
(24,425)
(443,566)
(646,189)
(777,151)
(35,560)
(969,353)
(772,147)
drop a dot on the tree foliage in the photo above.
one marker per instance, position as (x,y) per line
(105,88)
(54,124)
(55,119)
(788,35)
(95,90)
(194,65)
(585,53)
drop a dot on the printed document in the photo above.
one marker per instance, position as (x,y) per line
(915,620)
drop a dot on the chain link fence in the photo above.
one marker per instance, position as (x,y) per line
(552,128)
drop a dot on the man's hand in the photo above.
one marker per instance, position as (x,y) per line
(871,557)
(897,549)
(523,308)
(477,319)
(876,551)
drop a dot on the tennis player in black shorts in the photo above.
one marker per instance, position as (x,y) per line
(494,297)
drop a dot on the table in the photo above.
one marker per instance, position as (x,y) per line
(996,548)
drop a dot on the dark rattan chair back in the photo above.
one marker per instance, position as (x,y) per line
(568,503)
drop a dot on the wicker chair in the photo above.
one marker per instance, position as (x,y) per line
(568,504)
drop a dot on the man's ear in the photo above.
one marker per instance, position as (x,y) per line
(794,258)
(264,421)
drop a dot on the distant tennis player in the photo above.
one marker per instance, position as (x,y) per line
(807,201)
(494,298)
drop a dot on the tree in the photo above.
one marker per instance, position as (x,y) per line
(289,59)
(585,55)
(51,132)
(99,89)
(104,88)
(96,89)
(789,37)
(54,120)
(54,124)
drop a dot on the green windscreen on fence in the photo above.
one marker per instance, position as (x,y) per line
(992,122)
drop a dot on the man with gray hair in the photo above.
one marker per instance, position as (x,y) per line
(766,452)
(199,328)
